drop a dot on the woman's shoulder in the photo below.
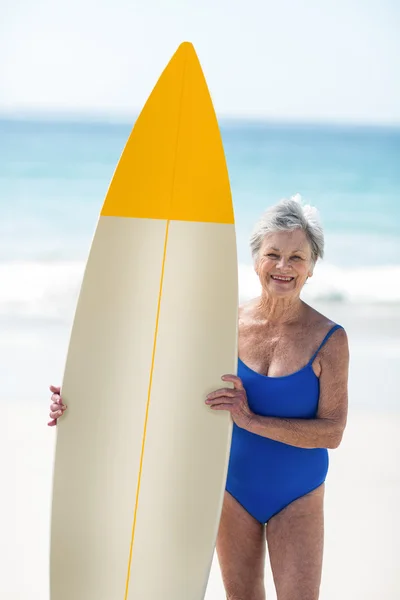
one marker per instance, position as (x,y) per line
(317,319)
(247,312)
(322,325)
(247,307)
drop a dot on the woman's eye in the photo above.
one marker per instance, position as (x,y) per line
(296,257)
(271,255)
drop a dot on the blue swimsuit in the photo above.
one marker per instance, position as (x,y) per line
(264,476)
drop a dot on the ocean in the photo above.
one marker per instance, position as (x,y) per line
(54,177)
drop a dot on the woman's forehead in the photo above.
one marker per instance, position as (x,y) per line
(295,240)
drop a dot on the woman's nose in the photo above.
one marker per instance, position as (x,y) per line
(283,263)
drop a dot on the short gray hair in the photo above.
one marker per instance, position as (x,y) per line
(287,215)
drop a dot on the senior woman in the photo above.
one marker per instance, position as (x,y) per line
(288,405)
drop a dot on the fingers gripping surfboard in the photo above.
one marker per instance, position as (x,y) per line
(141,461)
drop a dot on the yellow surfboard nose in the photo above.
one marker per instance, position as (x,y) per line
(173,166)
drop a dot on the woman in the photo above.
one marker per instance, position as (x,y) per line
(288,405)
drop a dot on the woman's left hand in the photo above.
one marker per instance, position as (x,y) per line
(234,400)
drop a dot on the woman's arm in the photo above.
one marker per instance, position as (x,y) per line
(327,429)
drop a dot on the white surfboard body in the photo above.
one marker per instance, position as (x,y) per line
(141,461)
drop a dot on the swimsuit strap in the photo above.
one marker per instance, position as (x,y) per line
(326,338)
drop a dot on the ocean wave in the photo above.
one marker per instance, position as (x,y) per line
(49,290)
(45,290)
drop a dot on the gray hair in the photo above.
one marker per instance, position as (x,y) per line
(287,215)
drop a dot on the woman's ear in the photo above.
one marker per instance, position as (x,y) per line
(311,271)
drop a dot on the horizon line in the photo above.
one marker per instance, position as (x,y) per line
(113,117)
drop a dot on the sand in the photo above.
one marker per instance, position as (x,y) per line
(362,539)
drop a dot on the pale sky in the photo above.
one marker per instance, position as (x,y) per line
(333,60)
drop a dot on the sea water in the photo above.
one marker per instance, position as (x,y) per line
(54,176)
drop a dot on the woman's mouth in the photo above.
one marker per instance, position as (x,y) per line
(282,278)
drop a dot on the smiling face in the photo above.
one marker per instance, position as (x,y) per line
(284,263)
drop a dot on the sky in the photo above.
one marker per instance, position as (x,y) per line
(302,60)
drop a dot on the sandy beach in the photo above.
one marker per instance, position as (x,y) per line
(362,540)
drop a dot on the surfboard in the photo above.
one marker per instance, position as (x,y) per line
(140,461)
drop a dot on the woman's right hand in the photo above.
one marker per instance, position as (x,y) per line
(57,407)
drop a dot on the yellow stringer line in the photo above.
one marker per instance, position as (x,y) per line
(147,413)
(150,378)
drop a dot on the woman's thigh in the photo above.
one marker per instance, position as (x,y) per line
(241,551)
(295,541)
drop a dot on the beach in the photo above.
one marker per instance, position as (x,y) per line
(362,490)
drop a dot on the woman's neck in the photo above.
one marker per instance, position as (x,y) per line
(279,311)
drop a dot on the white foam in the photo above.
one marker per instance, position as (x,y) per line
(49,290)
(39,289)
